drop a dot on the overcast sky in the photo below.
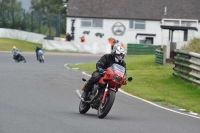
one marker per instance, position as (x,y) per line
(25,4)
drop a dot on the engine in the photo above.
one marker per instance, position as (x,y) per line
(95,92)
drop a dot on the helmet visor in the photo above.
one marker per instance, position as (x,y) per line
(119,56)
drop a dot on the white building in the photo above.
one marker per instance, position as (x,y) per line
(134,21)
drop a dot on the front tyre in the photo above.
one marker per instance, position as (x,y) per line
(43,59)
(83,107)
(104,109)
(24,59)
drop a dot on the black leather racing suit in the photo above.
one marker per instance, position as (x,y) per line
(37,49)
(106,61)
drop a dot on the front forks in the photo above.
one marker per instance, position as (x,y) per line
(106,93)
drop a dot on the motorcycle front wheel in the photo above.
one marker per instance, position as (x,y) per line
(104,108)
(42,59)
(24,59)
(83,107)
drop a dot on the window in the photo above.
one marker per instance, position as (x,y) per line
(146,40)
(131,24)
(97,22)
(92,23)
(149,40)
(187,24)
(86,23)
(137,24)
(182,24)
(142,41)
(176,23)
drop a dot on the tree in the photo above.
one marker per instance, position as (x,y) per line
(50,7)
(11,13)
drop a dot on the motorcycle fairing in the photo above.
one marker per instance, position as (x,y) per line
(115,75)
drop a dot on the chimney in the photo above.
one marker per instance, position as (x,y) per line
(165,10)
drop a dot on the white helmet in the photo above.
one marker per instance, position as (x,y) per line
(118,53)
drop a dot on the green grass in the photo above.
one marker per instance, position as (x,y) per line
(62,35)
(192,46)
(7,45)
(156,83)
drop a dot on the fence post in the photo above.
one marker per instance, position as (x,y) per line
(164,54)
(24,20)
(31,21)
(58,26)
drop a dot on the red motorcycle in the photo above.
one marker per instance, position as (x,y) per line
(103,93)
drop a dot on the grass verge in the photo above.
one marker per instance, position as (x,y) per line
(6,44)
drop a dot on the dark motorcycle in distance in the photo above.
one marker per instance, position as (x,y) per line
(41,56)
(103,93)
(19,57)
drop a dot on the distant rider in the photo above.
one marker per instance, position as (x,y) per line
(107,60)
(37,49)
(15,53)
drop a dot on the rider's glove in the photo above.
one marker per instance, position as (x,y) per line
(102,72)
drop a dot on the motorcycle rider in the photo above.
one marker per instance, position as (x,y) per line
(15,52)
(107,60)
(37,49)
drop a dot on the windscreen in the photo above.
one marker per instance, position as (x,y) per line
(118,70)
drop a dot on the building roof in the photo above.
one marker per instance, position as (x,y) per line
(134,9)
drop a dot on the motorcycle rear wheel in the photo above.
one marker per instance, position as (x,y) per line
(104,109)
(83,107)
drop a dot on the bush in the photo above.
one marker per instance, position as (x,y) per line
(193,46)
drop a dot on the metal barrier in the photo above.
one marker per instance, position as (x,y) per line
(138,49)
(187,66)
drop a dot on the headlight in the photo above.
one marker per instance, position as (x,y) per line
(117,78)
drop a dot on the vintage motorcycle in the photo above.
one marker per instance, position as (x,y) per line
(103,93)
(19,57)
(41,56)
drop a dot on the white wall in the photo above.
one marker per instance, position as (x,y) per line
(21,35)
(152,27)
(57,44)
(74,46)
(129,35)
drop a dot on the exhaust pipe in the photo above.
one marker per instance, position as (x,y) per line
(79,95)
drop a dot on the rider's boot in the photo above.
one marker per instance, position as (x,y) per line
(84,95)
